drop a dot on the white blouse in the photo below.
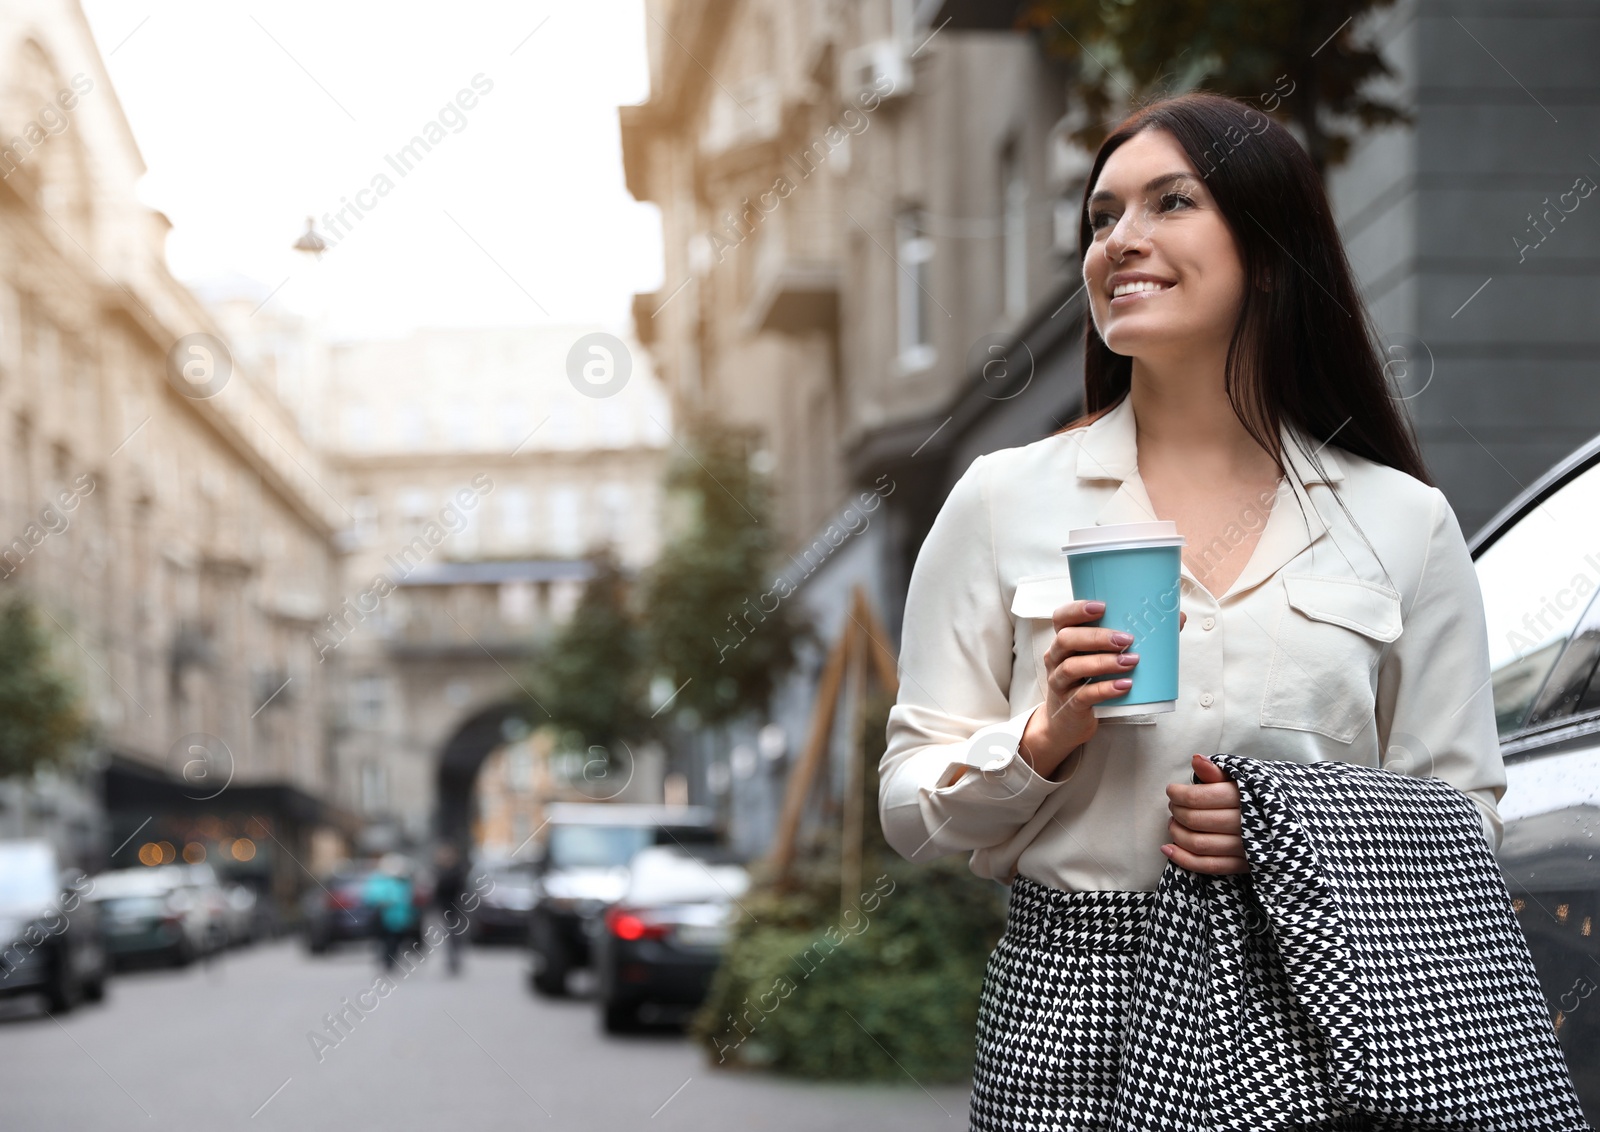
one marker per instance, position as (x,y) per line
(1319,650)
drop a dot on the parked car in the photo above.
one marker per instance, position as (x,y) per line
(1538,564)
(508,890)
(334,912)
(152,914)
(584,870)
(663,939)
(51,935)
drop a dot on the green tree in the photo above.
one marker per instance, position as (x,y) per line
(1299,60)
(40,716)
(717,624)
(591,678)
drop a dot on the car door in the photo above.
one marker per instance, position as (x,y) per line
(1538,565)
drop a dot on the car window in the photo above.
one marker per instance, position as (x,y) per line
(1537,580)
(595,846)
(27,876)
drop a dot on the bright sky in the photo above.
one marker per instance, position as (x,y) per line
(251,120)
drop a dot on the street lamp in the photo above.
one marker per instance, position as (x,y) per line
(311,240)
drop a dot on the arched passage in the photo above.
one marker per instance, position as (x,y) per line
(463,753)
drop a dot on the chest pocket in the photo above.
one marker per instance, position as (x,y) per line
(1036,599)
(1330,634)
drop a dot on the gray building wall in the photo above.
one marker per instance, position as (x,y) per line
(1501,340)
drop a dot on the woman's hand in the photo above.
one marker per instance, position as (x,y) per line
(1205,824)
(1066,719)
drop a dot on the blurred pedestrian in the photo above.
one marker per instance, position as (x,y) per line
(389,892)
(450,887)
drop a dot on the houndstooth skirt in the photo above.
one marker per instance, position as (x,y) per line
(1056,996)
(1056,1001)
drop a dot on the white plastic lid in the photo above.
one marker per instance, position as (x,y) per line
(1120,536)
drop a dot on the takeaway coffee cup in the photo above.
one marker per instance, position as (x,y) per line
(1134,568)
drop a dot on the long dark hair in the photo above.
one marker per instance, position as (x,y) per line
(1304,351)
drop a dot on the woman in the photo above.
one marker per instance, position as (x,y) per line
(1232,386)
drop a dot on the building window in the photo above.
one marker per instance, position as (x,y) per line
(413,510)
(368,698)
(913,277)
(564,517)
(517,602)
(462,423)
(515,526)
(514,424)
(374,788)
(411,427)
(365,512)
(616,504)
(358,426)
(1014,232)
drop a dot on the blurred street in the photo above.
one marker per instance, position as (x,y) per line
(206,1048)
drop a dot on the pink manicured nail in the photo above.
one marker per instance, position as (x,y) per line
(1094,607)
(1123,684)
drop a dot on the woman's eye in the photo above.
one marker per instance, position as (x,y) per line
(1098,219)
(1176,199)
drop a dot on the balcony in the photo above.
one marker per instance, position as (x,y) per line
(793,258)
(744,114)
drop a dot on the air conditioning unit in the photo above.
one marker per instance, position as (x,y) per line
(881,68)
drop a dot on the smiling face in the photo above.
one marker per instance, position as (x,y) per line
(1163,273)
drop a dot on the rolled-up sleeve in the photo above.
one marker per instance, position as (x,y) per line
(1435,710)
(951,778)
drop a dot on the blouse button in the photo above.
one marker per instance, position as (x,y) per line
(1209,623)
(1206,699)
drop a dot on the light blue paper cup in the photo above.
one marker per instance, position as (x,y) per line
(1135,569)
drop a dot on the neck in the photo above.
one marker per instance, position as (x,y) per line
(1181,409)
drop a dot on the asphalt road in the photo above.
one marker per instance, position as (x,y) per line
(226,1046)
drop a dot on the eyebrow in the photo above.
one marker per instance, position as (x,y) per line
(1149,186)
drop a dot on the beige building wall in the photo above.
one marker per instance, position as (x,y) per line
(852,205)
(479,478)
(173,531)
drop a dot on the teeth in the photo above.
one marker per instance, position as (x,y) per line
(1141,285)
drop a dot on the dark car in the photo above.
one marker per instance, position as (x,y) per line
(153,914)
(335,912)
(50,933)
(1538,564)
(584,870)
(663,940)
(507,890)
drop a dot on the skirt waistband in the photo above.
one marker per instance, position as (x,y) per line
(1098,920)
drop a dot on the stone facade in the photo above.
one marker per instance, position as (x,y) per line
(159,502)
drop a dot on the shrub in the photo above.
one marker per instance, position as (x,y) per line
(887,987)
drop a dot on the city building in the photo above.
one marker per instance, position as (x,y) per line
(159,503)
(480,476)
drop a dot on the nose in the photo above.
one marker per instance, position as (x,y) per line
(1127,235)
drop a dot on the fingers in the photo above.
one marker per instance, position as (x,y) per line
(1221,820)
(1182,617)
(1206,770)
(1205,844)
(1075,669)
(1204,796)
(1211,866)
(1077,613)
(1070,641)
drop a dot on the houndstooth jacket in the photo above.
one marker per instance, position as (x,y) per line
(1368,966)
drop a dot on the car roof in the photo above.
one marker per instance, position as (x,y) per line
(1508,516)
